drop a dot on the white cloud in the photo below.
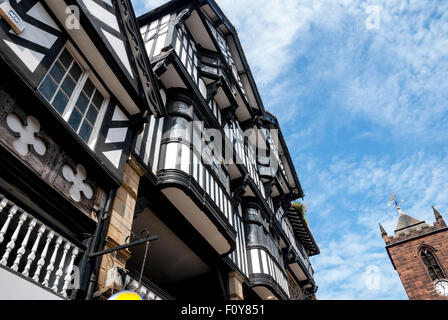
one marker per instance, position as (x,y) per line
(393,77)
(352,193)
(268,29)
(346,265)
(321,71)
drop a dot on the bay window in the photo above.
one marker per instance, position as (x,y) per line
(259,233)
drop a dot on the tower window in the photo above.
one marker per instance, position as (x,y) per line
(431,263)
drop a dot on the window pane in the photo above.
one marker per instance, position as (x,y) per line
(66,58)
(48,87)
(85,131)
(60,102)
(88,88)
(439,273)
(223,178)
(57,72)
(92,114)
(68,85)
(433,267)
(75,119)
(432,260)
(76,71)
(178,127)
(432,274)
(98,99)
(82,102)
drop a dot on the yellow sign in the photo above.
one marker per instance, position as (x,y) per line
(126,295)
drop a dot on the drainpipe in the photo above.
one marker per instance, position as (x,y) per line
(98,240)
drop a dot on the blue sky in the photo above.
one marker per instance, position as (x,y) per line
(364,112)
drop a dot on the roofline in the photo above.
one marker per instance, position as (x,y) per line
(416,237)
(239,47)
(308,231)
(251,79)
(410,226)
(169,6)
(288,156)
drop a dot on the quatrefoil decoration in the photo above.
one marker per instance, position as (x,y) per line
(27,135)
(77,179)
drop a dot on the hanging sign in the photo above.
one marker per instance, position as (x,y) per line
(11,17)
(126,295)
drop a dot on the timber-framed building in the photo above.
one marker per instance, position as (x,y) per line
(113,128)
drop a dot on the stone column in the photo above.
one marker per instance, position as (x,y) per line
(120,227)
(235,286)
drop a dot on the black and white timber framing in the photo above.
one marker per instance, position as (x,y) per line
(84,87)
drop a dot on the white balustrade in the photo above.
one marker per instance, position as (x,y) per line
(144,291)
(32,254)
(12,243)
(60,271)
(50,266)
(3,204)
(41,261)
(11,214)
(23,238)
(68,276)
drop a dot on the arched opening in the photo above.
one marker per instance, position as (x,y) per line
(430,261)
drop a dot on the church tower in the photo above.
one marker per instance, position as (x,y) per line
(419,253)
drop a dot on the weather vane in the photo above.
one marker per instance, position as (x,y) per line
(392,199)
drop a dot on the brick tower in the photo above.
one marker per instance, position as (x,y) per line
(419,253)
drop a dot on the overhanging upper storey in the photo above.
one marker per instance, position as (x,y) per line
(189,174)
(207,46)
(106,33)
(224,27)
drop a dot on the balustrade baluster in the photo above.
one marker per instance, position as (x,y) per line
(60,271)
(142,291)
(151,296)
(41,261)
(133,285)
(11,214)
(32,254)
(12,243)
(50,266)
(22,249)
(68,275)
(3,204)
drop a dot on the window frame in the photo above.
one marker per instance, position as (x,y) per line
(87,73)
(424,251)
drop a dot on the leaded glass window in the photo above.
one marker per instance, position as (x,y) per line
(85,111)
(61,80)
(431,263)
(154,35)
(68,87)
